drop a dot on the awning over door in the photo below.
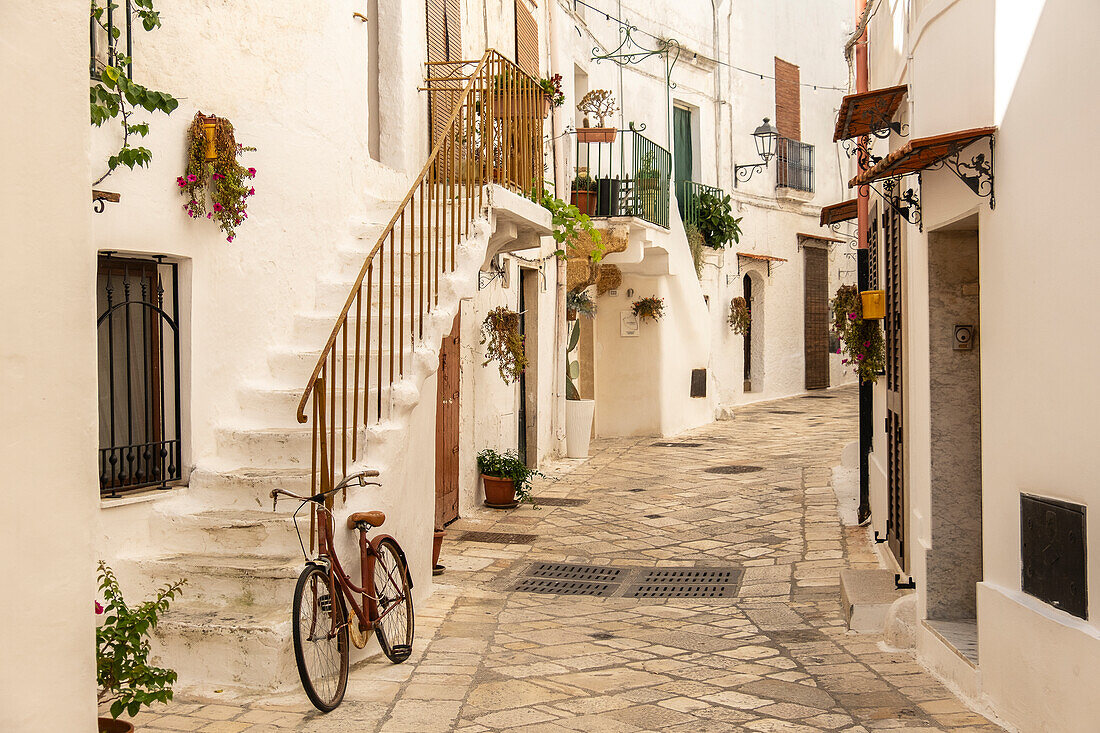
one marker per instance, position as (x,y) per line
(836,213)
(867,113)
(919,154)
(752,257)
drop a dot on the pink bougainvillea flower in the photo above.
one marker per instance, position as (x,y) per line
(218,176)
(98,607)
(191,178)
(251,172)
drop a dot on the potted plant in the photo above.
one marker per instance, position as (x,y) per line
(740,319)
(578,412)
(598,104)
(651,308)
(500,331)
(861,341)
(507,479)
(715,220)
(583,189)
(125,678)
(216,186)
(647,178)
(579,301)
(554,96)
(437,545)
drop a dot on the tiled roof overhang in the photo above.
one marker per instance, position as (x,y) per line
(836,213)
(867,112)
(918,154)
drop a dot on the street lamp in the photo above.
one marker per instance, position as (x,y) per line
(765,136)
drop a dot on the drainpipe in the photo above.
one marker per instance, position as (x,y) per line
(866,391)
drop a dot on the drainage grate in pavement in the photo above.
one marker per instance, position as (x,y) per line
(653,516)
(818,396)
(676,445)
(499,538)
(734,469)
(786,412)
(559,501)
(796,636)
(635,490)
(566,571)
(679,590)
(686,576)
(565,587)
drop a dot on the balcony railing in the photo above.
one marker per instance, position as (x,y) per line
(687,197)
(627,177)
(794,165)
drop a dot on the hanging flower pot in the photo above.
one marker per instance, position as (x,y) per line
(210,130)
(874,304)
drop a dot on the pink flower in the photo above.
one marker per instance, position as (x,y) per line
(218,176)
(251,172)
(181,182)
(229,238)
(851,316)
(859,357)
(838,349)
(209,215)
(98,607)
(866,344)
(191,178)
(252,191)
(843,361)
(217,206)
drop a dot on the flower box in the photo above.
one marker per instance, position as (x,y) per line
(596,134)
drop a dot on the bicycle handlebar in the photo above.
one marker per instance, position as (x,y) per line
(319,497)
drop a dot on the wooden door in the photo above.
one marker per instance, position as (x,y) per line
(816,316)
(444,44)
(897,500)
(446,430)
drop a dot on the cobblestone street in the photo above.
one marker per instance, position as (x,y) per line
(773,656)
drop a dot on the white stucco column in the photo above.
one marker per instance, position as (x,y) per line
(47,375)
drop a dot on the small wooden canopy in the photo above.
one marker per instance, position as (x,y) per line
(866,112)
(760,258)
(835,213)
(918,154)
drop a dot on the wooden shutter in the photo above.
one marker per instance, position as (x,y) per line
(897,503)
(816,311)
(788,103)
(527,39)
(444,29)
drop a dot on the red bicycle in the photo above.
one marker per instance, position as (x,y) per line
(329,608)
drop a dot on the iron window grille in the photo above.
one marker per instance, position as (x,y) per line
(139,373)
(104,43)
(794,165)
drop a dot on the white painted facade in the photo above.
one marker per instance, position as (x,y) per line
(1026,68)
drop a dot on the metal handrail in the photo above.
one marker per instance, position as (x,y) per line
(493,135)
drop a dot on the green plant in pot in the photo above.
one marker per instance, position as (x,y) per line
(579,302)
(126,680)
(715,221)
(507,479)
(584,190)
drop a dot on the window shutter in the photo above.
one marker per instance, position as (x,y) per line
(527,39)
(788,103)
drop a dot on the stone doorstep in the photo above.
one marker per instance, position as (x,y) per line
(866,597)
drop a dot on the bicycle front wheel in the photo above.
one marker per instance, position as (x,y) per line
(393,613)
(320,638)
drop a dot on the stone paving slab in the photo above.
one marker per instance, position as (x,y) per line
(776,658)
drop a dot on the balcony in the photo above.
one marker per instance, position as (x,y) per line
(626,177)
(794,165)
(687,198)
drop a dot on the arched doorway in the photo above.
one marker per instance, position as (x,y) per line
(747,339)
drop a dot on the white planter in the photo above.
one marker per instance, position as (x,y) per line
(578,427)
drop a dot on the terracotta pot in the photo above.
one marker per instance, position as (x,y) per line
(437,545)
(114,725)
(585,201)
(596,134)
(500,493)
(210,129)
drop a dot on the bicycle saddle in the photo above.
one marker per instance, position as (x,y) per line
(374,519)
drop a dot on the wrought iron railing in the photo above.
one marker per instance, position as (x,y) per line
(493,135)
(107,32)
(794,165)
(626,177)
(687,199)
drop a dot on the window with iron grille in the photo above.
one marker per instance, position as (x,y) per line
(110,37)
(139,375)
(794,165)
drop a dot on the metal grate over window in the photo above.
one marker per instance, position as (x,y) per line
(794,165)
(139,373)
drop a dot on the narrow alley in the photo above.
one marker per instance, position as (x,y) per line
(750,496)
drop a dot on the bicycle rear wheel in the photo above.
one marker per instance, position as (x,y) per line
(320,638)
(393,614)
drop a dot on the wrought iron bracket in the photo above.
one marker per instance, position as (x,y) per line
(745,172)
(769,266)
(907,204)
(978,174)
(669,48)
(496,271)
(100,199)
(861,150)
(850,239)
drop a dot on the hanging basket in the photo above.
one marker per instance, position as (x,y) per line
(210,130)
(874,304)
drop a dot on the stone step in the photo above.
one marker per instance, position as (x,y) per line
(291,368)
(312,330)
(279,407)
(292,448)
(233,581)
(234,532)
(866,597)
(246,488)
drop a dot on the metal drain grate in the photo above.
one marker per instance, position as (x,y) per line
(676,445)
(566,571)
(565,587)
(678,590)
(653,516)
(734,469)
(635,490)
(498,538)
(818,397)
(692,575)
(796,636)
(786,412)
(559,501)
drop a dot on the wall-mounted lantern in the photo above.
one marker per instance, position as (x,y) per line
(765,136)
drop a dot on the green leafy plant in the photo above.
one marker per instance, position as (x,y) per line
(567,223)
(647,169)
(740,319)
(223,181)
(552,88)
(113,95)
(501,332)
(651,308)
(695,244)
(583,182)
(714,217)
(579,302)
(861,341)
(508,465)
(125,678)
(573,368)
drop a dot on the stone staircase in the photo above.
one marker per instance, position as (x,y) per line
(230,631)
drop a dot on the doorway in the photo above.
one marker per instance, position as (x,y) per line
(446,428)
(527,422)
(747,338)
(816,315)
(683,160)
(897,500)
